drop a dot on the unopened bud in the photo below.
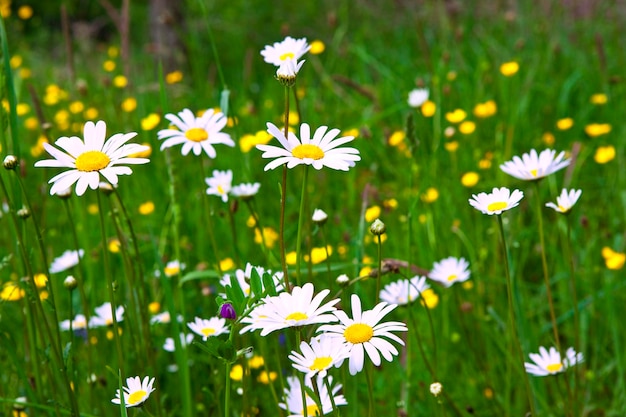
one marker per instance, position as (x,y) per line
(10,162)
(377,228)
(342,280)
(319,217)
(23,213)
(70,283)
(436,388)
(227,311)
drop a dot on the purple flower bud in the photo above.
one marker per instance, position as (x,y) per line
(227,311)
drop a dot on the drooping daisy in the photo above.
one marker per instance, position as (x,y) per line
(245,190)
(79,322)
(136,391)
(104,315)
(548,362)
(196,133)
(417,97)
(404,291)
(533,167)
(185,340)
(319,356)
(67,260)
(450,270)
(364,333)
(565,201)
(214,326)
(293,398)
(220,184)
(499,200)
(297,309)
(289,49)
(320,151)
(91,158)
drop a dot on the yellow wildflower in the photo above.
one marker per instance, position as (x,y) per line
(467,127)
(11,292)
(150,121)
(372,214)
(597,129)
(291,258)
(451,146)
(146,208)
(267,377)
(236,372)
(470,179)
(599,99)
(114,245)
(269,235)
(509,69)
(604,154)
(129,104)
(317,47)
(227,264)
(91,113)
(548,138)
(248,142)
(120,81)
(174,77)
(429,298)
(76,107)
(565,123)
(154,307)
(396,138)
(108,65)
(486,109)
(428,108)
(256,362)
(456,116)
(430,195)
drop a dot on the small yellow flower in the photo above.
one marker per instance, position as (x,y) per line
(597,129)
(92,209)
(291,258)
(509,69)
(113,51)
(396,138)
(599,99)
(76,107)
(129,104)
(150,121)
(154,307)
(31,123)
(269,235)
(38,149)
(91,113)
(451,75)
(548,138)
(372,213)
(430,195)
(352,132)
(456,116)
(365,271)
(11,292)
(267,377)
(319,254)
(486,109)
(451,146)
(256,362)
(16,61)
(25,73)
(251,222)
(40,280)
(468,285)
(142,154)
(174,77)
(317,47)
(565,123)
(114,245)
(25,12)
(248,142)
(429,298)
(422,218)
(22,109)
(120,81)
(613,260)
(294,118)
(467,127)
(428,108)
(236,372)
(227,264)
(604,154)
(470,179)
(108,65)
(146,208)
(391,203)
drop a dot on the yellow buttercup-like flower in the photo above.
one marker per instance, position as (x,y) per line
(486,109)
(428,108)
(509,69)
(456,116)
(597,129)
(604,154)
(565,124)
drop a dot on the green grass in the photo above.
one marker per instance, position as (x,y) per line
(375,54)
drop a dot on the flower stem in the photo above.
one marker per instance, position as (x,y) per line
(283,197)
(380,267)
(300,224)
(572,283)
(370,389)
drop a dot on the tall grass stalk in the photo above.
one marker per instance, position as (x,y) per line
(305,179)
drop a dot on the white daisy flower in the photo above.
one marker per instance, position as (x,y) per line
(565,201)
(220,184)
(185,340)
(245,190)
(550,363)
(500,199)
(364,333)
(104,315)
(297,309)
(91,158)
(450,270)
(79,322)
(320,151)
(289,49)
(67,260)
(533,167)
(293,398)
(319,356)
(196,133)
(417,97)
(173,268)
(242,277)
(135,391)
(163,318)
(319,216)
(404,291)
(288,69)
(214,326)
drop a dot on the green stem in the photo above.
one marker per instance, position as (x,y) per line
(572,283)
(331,396)
(283,197)
(370,389)
(380,267)
(300,224)
(227,376)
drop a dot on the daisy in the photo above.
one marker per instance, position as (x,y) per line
(297,309)
(319,356)
(404,291)
(450,270)
(91,158)
(245,190)
(67,260)
(319,216)
(104,315)
(565,201)
(293,398)
(500,199)
(185,340)
(243,276)
(214,326)
(288,70)
(173,268)
(319,151)
(220,184)
(196,133)
(365,333)
(289,49)
(135,391)
(533,167)
(417,97)
(79,322)
(550,363)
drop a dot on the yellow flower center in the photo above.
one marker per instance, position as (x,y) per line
(307,151)
(286,56)
(533,172)
(498,205)
(208,331)
(451,278)
(358,333)
(321,363)
(311,410)
(135,397)
(92,161)
(171,270)
(196,134)
(554,367)
(297,316)
(220,190)
(562,209)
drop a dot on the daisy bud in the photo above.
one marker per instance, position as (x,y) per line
(10,162)
(287,72)
(319,217)
(20,403)
(70,283)
(106,188)
(23,213)
(65,194)
(377,228)
(342,280)
(227,311)
(436,388)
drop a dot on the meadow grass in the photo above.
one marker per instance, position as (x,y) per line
(416,174)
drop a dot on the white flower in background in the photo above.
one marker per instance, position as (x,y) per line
(319,216)
(436,388)
(185,340)
(289,49)
(245,190)
(242,277)
(450,270)
(404,291)
(91,158)
(499,200)
(220,184)
(214,326)
(319,356)
(104,315)
(548,362)
(417,97)
(79,322)
(293,398)
(533,167)
(565,201)
(135,391)
(173,268)
(67,260)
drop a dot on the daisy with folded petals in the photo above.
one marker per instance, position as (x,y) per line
(565,201)
(289,69)
(245,190)
(220,184)
(214,326)
(136,391)
(450,270)
(499,200)
(404,291)
(289,49)
(293,398)
(548,362)
(319,151)
(533,167)
(91,158)
(196,133)
(319,356)
(364,333)
(104,315)
(300,308)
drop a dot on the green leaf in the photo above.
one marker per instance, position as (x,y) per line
(194,275)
